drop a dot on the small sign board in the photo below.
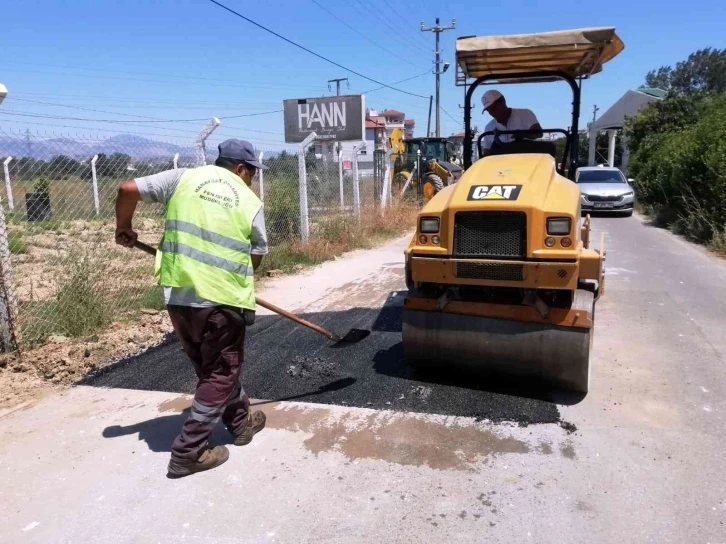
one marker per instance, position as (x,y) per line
(347,165)
(336,118)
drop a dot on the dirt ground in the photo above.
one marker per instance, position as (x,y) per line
(62,361)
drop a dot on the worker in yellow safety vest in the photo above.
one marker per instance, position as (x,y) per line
(214,238)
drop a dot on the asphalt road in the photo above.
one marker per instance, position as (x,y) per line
(288,362)
(645,464)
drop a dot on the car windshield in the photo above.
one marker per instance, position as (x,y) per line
(600,176)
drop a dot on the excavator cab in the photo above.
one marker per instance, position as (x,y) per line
(500,273)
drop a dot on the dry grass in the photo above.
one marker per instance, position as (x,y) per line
(335,234)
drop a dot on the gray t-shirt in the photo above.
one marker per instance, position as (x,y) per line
(159,188)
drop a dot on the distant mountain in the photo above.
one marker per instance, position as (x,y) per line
(135,146)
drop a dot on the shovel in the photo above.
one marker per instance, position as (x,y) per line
(351,337)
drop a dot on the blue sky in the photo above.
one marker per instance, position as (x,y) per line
(189,59)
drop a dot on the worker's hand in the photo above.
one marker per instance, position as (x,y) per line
(126,236)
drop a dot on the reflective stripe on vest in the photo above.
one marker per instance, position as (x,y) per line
(206,243)
(206,258)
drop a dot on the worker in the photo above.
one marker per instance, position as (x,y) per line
(506,118)
(214,236)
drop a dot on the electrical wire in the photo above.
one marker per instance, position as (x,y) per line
(190,132)
(291,42)
(119,121)
(326,10)
(416,32)
(184,77)
(396,32)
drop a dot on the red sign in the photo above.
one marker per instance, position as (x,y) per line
(347,165)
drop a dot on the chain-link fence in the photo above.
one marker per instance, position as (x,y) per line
(62,274)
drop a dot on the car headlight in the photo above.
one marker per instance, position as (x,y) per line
(558,226)
(429,225)
(629,193)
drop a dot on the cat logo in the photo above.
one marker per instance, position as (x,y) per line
(494,192)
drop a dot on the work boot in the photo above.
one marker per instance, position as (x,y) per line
(210,458)
(255,423)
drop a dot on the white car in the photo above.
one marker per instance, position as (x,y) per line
(604,189)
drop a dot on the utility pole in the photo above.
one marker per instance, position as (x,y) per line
(595,109)
(337,82)
(437,30)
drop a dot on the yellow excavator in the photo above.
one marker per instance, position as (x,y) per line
(422,166)
(501,274)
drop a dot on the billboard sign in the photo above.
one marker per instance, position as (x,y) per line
(336,118)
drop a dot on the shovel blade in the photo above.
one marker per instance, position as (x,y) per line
(352,336)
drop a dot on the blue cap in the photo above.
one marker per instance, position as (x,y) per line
(240,150)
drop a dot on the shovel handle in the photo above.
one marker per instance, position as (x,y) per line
(284,313)
(296,319)
(146,248)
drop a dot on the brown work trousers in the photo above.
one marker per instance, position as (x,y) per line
(213,338)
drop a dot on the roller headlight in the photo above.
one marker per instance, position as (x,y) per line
(558,226)
(429,225)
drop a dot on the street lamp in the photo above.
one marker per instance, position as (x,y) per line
(3,92)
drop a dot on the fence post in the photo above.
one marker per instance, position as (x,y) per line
(340,178)
(386,196)
(176,161)
(205,133)
(356,180)
(261,173)
(8,306)
(408,181)
(6,168)
(96,202)
(303,185)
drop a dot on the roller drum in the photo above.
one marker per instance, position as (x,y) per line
(557,356)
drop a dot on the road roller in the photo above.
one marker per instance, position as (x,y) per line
(500,272)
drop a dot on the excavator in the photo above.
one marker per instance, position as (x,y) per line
(502,277)
(422,166)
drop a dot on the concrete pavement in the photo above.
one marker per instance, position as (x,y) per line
(644,466)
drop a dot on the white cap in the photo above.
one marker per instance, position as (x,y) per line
(3,92)
(489,98)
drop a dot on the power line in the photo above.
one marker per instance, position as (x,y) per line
(415,31)
(326,10)
(427,72)
(396,32)
(457,121)
(126,78)
(119,121)
(310,51)
(190,132)
(257,84)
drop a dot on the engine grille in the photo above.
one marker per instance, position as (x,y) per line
(490,234)
(490,271)
(598,198)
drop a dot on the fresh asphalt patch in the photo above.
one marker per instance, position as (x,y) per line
(284,361)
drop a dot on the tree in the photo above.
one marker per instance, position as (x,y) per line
(61,167)
(114,166)
(702,72)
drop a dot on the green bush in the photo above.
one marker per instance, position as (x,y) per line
(681,173)
(282,208)
(16,244)
(41,185)
(81,301)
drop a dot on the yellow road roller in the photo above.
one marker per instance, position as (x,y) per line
(500,273)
